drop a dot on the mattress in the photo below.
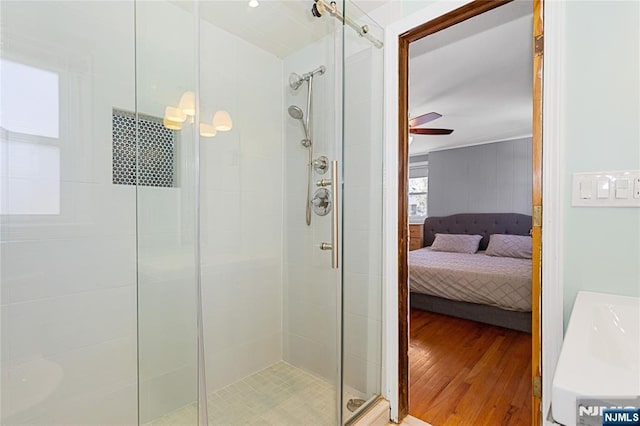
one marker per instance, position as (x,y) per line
(504,282)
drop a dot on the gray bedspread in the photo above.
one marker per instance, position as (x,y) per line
(504,282)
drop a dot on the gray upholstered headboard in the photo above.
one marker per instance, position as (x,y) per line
(483,224)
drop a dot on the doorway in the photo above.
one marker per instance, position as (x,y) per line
(445,21)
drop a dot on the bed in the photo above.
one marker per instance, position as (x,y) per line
(489,289)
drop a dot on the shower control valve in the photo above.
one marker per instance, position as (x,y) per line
(322,183)
(321,165)
(321,202)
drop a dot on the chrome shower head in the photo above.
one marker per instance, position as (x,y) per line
(296,112)
(295,81)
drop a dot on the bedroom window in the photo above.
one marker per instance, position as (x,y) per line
(418,190)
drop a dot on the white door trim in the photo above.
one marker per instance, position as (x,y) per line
(553,194)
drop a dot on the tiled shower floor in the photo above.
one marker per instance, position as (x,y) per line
(280,395)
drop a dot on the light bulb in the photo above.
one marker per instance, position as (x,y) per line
(222,121)
(254,3)
(171,125)
(174,114)
(207,130)
(188,103)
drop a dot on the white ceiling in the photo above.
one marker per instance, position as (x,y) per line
(280,27)
(478,75)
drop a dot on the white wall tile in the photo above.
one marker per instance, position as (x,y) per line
(310,285)
(47,327)
(166,392)
(37,270)
(36,388)
(361,375)
(363,295)
(313,357)
(362,337)
(241,210)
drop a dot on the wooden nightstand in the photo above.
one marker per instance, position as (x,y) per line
(415,236)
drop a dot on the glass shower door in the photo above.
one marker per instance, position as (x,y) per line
(165,128)
(67,231)
(270,297)
(361,152)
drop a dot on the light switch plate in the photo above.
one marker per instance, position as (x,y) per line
(608,189)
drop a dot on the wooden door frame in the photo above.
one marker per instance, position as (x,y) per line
(453,17)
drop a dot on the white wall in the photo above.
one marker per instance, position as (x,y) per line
(68,278)
(488,178)
(601,245)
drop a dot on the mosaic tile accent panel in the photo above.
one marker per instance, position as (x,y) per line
(156,150)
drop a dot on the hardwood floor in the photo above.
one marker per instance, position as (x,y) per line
(466,373)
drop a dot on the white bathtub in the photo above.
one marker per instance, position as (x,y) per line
(600,354)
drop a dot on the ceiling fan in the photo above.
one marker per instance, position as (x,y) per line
(424,119)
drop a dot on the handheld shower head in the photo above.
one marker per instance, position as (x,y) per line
(296,113)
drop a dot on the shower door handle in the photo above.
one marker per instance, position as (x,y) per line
(335,216)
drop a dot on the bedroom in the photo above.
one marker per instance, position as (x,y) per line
(470,173)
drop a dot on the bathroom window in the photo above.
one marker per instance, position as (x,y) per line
(29,145)
(155,151)
(30,100)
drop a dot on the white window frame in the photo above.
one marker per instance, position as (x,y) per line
(421,174)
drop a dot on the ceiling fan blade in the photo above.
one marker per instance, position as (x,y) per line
(431,131)
(423,119)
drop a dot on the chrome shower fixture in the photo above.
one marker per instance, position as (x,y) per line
(318,9)
(321,6)
(321,165)
(295,80)
(296,113)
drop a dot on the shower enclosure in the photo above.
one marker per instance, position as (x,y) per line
(157,265)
